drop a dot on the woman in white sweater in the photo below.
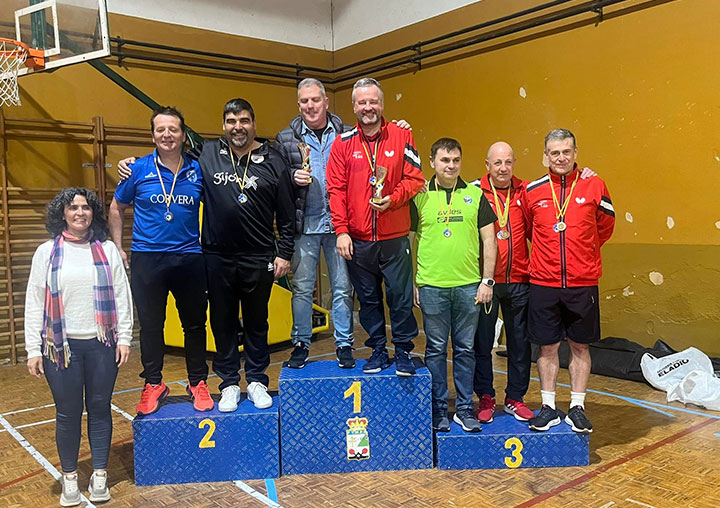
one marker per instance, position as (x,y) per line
(78,327)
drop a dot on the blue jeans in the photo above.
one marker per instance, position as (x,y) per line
(450,311)
(305,262)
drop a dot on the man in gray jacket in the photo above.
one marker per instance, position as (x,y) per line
(315,129)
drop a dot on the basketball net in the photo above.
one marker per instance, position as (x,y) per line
(12,58)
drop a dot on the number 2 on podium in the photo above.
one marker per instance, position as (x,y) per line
(356,393)
(517,458)
(206,441)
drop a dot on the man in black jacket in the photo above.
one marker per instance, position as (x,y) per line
(316,128)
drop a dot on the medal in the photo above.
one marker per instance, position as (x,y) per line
(504,212)
(373,180)
(503,234)
(560,227)
(447,233)
(242,198)
(168,197)
(560,211)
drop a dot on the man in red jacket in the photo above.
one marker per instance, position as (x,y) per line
(506,193)
(571,219)
(376,160)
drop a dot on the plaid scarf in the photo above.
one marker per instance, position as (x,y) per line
(56,347)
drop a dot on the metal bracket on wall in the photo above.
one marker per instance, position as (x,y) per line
(599,11)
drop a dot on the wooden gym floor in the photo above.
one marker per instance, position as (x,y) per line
(643,453)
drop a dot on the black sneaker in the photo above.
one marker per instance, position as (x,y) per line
(440,420)
(345,357)
(578,420)
(546,418)
(403,363)
(298,358)
(378,361)
(466,419)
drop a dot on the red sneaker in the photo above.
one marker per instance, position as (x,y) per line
(201,397)
(151,397)
(518,409)
(486,408)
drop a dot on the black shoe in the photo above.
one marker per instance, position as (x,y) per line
(298,358)
(378,361)
(546,418)
(403,363)
(440,420)
(578,420)
(345,357)
(466,419)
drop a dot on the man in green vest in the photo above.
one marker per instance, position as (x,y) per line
(451,219)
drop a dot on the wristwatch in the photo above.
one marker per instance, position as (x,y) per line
(488,282)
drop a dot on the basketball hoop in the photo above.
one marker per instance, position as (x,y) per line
(13,55)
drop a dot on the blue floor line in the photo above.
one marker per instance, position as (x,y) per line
(718,435)
(271,490)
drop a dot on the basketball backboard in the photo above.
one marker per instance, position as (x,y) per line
(69,31)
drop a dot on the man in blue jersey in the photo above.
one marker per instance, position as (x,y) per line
(165,189)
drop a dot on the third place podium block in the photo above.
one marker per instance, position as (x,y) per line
(508,443)
(335,420)
(180,445)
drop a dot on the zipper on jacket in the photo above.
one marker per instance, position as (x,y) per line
(563,257)
(508,270)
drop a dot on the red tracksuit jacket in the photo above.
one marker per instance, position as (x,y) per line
(348,173)
(569,258)
(513,256)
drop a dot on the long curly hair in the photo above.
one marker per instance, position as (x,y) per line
(56,212)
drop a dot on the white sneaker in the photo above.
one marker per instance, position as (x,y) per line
(258,395)
(70,492)
(229,400)
(98,488)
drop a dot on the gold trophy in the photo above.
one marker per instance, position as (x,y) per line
(305,152)
(381,174)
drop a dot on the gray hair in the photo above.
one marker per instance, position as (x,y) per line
(308,82)
(363,82)
(559,135)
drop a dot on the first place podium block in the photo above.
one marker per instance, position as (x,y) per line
(508,443)
(180,445)
(337,420)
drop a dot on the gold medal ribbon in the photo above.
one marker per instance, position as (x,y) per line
(372,161)
(441,201)
(168,197)
(560,210)
(247,163)
(504,211)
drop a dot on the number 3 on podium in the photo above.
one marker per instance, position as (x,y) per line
(517,458)
(356,393)
(206,441)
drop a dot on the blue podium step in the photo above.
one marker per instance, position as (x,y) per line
(337,420)
(180,445)
(508,443)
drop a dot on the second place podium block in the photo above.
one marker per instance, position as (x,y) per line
(337,420)
(180,445)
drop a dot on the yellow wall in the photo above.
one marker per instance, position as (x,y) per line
(640,93)
(639,90)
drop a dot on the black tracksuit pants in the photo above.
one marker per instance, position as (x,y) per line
(235,281)
(513,299)
(152,276)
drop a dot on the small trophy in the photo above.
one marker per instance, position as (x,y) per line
(305,152)
(381,173)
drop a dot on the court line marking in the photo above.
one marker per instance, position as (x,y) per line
(37,456)
(257,495)
(610,465)
(271,490)
(608,505)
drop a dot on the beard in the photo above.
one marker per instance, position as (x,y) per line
(237,143)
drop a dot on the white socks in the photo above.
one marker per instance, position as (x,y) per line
(577,399)
(548,398)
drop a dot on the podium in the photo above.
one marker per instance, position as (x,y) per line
(507,444)
(337,420)
(180,445)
